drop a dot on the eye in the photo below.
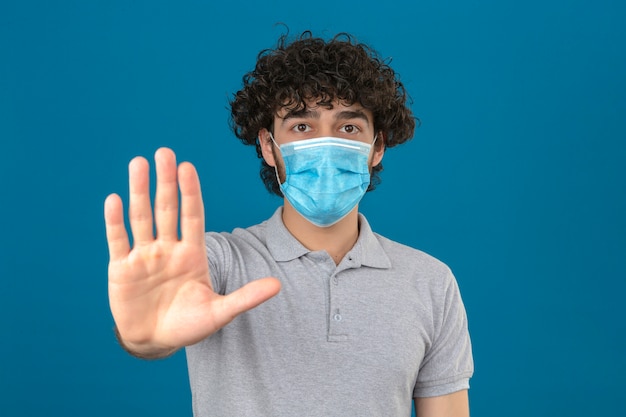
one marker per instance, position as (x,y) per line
(301,128)
(351,129)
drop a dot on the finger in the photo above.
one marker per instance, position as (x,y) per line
(248,297)
(166,199)
(192,208)
(117,237)
(140,210)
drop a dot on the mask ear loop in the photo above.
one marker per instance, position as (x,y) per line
(272,139)
(373,149)
(374,141)
(280,185)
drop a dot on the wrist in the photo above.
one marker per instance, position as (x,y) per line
(143,351)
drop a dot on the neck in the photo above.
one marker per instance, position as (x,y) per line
(336,240)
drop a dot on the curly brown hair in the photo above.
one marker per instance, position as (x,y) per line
(310,68)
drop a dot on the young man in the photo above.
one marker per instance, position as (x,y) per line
(309,313)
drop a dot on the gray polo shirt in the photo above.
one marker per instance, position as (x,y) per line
(361,338)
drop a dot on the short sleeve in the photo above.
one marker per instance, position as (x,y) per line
(448,364)
(219,254)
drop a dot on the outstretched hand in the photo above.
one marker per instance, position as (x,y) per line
(159,290)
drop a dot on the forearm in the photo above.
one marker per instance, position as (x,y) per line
(143,351)
(450,405)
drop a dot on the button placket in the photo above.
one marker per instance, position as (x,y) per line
(336,324)
(337,315)
(325,267)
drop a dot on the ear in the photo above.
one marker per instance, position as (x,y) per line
(266,144)
(379,149)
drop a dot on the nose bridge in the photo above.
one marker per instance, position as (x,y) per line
(326,125)
(325,130)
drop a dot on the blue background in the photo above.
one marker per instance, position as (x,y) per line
(516,179)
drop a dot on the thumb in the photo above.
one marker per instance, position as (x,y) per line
(248,297)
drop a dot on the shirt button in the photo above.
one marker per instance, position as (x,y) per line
(337,317)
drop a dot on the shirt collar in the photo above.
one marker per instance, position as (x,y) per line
(285,247)
(280,242)
(368,251)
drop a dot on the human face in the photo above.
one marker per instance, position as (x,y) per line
(352,122)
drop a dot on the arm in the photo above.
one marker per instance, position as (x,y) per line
(160,290)
(451,405)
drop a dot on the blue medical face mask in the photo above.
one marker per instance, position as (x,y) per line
(325,178)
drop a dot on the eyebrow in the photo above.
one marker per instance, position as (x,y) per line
(352,114)
(314,114)
(302,113)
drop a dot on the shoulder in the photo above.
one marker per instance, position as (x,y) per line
(237,239)
(237,257)
(404,257)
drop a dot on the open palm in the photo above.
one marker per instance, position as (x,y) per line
(160,290)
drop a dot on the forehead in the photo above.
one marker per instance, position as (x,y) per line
(313,109)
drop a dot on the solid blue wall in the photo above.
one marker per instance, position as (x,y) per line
(516,179)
